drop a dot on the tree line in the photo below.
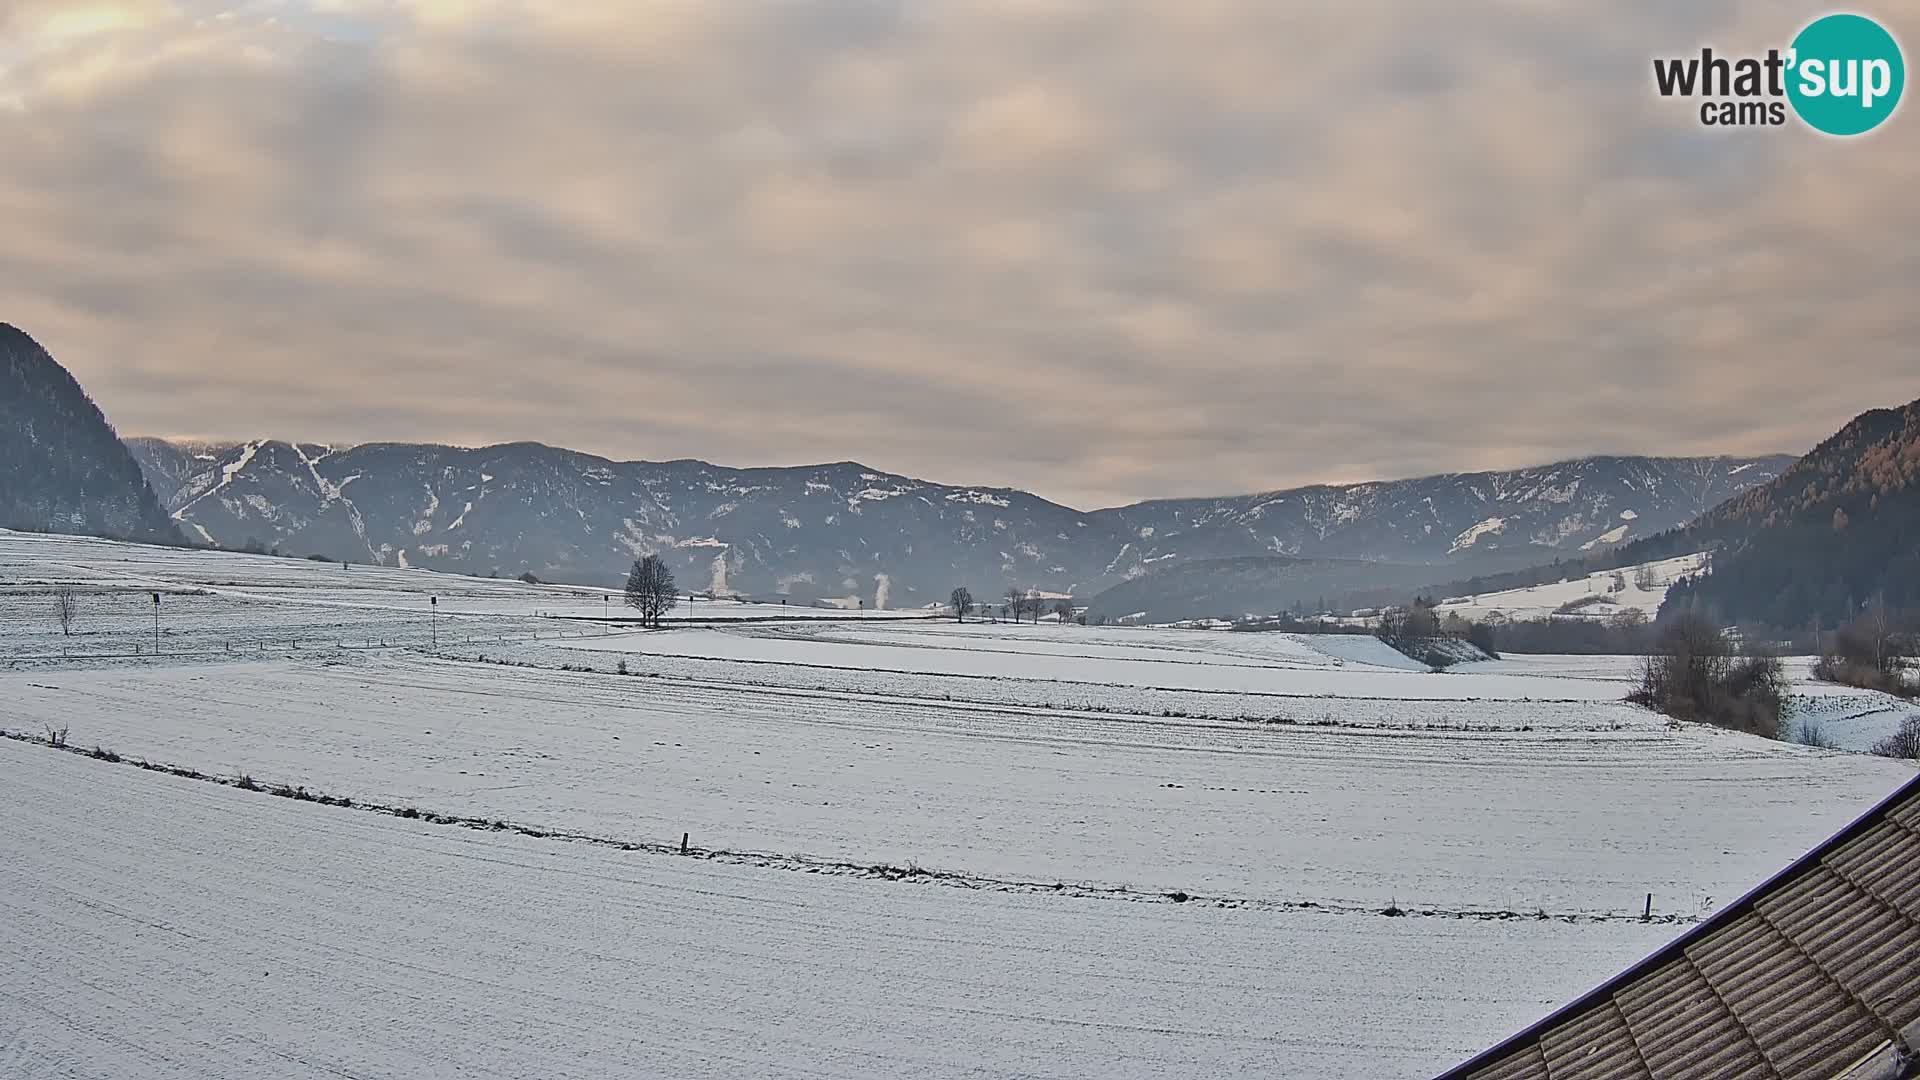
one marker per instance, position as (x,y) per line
(1018,604)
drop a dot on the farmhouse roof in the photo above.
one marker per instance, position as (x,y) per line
(1814,975)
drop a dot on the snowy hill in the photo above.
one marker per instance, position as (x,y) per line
(1598,595)
(847,531)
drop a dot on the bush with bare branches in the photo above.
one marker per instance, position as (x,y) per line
(1692,674)
(1904,743)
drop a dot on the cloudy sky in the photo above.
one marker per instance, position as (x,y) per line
(1100,249)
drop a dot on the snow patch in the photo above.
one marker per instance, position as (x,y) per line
(1611,536)
(227,473)
(1491,526)
(981,498)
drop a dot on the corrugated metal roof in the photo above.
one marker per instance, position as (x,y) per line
(1815,975)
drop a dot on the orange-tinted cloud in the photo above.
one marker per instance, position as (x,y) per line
(1099,250)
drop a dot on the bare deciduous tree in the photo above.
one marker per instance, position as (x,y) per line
(1016,603)
(66,606)
(1064,610)
(1877,624)
(1644,580)
(651,590)
(962,600)
(1904,743)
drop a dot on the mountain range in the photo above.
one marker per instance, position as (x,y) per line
(845,530)
(62,468)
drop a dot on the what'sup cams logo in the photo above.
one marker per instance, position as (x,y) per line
(1842,75)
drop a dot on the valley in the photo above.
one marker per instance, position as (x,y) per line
(1221,824)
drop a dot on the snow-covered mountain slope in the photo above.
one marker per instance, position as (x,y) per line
(845,530)
(1570,506)
(838,530)
(1601,594)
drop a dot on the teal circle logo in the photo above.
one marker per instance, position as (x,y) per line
(1846,74)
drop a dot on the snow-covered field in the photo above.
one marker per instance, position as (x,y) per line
(919,848)
(1291,665)
(1570,823)
(161,928)
(1845,716)
(226,601)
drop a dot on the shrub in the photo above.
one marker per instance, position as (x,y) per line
(1485,637)
(1693,676)
(56,737)
(1812,734)
(1871,652)
(1904,743)
(622,668)
(1837,668)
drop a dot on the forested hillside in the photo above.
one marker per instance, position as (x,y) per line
(62,468)
(1839,529)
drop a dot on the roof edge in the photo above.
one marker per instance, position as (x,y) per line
(1599,995)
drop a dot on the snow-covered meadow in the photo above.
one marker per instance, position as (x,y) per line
(918,848)
(161,928)
(1602,594)
(222,602)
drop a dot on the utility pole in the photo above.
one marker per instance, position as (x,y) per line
(606,614)
(433,623)
(156,624)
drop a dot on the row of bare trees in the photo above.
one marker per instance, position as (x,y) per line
(1019,604)
(1875,651)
